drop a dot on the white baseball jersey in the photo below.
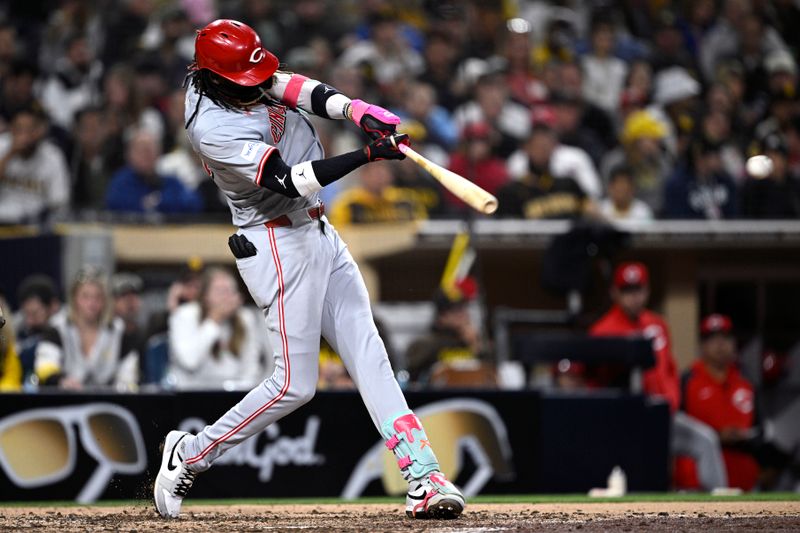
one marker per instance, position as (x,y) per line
(234,145)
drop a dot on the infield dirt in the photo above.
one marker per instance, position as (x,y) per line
(656,516)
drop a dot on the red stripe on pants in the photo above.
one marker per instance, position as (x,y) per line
(287,374)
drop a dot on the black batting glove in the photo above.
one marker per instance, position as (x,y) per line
(241,247)
(376,128)
(386,147)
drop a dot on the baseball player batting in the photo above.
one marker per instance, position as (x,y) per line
(246,120)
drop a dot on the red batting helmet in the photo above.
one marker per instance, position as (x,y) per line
(233,50)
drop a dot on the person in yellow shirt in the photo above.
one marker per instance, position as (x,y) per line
(376,200)
(10,367)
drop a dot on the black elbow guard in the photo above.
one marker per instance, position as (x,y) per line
(276,176)
(319,99)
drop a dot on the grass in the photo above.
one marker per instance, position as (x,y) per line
(507,498)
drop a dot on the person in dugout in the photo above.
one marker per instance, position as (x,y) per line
(629,317)
(715,392)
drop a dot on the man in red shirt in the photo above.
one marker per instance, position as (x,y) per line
(629,317)
(715,392)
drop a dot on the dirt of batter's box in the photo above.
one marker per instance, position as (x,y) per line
(577,518)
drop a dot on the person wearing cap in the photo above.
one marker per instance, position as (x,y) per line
(545,191)
(629,317)
(781,69)
(475,161)
(642,150)
(569,375)
(453,337)
(716,393)
(776,196)
(699,188)
(126,290)
(39,307)
(675,95)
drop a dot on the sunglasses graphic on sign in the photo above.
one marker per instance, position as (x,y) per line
(38,447)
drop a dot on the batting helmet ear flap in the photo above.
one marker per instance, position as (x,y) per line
(232,50)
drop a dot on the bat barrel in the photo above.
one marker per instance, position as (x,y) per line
(464,189)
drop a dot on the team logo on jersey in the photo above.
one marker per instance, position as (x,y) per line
(655,333)
(742,399)
(277,121)
(257,55)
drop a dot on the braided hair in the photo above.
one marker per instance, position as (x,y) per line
(224,93)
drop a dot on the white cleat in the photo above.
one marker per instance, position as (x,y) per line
(174,479)
(434,497)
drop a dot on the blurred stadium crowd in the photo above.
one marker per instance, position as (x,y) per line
(616,109)
(608,110)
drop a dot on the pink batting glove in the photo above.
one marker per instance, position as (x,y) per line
(374,120)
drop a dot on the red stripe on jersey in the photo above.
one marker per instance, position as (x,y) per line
(264,158)
(292,92)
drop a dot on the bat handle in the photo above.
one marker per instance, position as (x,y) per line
(402,147)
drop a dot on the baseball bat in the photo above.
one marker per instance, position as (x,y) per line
(468,192)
